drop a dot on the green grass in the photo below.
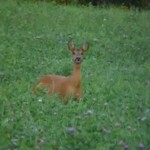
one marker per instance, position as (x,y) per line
(114,113)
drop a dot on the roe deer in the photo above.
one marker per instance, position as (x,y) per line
(65,86)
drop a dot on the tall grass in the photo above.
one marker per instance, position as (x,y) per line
(114,112)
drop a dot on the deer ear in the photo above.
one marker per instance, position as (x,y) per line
(85,46)
(71,46)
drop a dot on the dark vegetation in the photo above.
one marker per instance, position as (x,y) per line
(127,4)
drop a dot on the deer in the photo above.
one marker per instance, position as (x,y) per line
(65,86)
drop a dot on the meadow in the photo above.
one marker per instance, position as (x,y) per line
(114,112)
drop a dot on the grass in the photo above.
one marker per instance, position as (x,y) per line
(114,113)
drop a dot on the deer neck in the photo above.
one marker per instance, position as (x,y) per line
(76,73)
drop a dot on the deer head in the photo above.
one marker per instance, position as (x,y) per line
(78,53)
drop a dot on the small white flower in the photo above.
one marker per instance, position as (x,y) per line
(88,113)
(105,104)
(144,118)
(40,100)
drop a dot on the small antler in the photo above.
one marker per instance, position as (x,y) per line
(71,46)
(85,46)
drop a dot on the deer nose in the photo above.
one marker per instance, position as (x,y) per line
(78,59)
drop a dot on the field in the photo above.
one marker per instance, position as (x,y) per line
(114,112)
